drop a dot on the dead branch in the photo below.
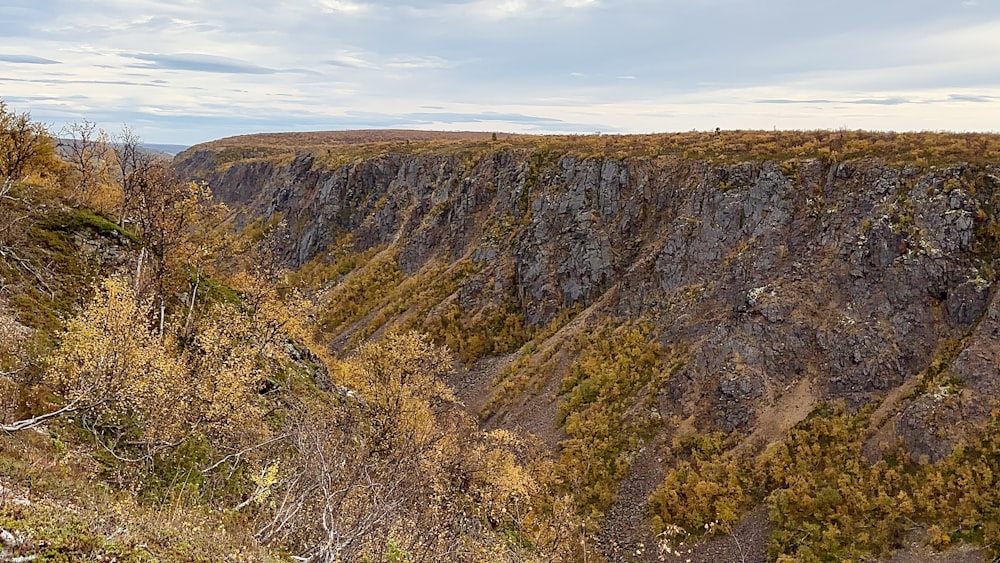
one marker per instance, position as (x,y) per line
(243,452)
(32,422)
(8,252)
(8,184)
(12,222)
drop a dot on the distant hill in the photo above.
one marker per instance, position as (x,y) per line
(169,150)
(165,150)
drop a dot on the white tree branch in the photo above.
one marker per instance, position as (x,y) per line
(31,422)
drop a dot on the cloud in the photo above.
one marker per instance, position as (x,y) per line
(199,63)
(353,59)
(27,59)
(418,62)
(786,101)
(83,81)
(893,101)
(482,117)
(507,9)
(342,6)
(890,101)
(973,98)
(350,59)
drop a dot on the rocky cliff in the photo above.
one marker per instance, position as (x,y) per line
(777,283)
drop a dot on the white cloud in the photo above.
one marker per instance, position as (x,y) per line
(504,9)
(351,58)
(500,9)
(342,6)
(418,62)
(362,60)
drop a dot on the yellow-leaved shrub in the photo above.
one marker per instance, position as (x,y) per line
(115,367)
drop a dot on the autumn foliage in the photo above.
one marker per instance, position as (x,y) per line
(185,375)
(188,407)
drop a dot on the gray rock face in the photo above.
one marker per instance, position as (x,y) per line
(850,274)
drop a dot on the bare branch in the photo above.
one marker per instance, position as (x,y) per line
(87,152)
(151,448)
(8,184)
(32,422)
(243,452)
(8,252)
(134,166)
(8,224)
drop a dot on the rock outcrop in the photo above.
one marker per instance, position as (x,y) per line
(852,275)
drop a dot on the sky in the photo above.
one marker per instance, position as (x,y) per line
(184,71)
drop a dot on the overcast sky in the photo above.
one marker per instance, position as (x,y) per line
(184,71)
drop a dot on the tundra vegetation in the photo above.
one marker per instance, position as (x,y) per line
(168,391)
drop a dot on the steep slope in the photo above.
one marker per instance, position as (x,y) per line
(762,287)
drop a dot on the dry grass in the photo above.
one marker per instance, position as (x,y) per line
(920,149)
